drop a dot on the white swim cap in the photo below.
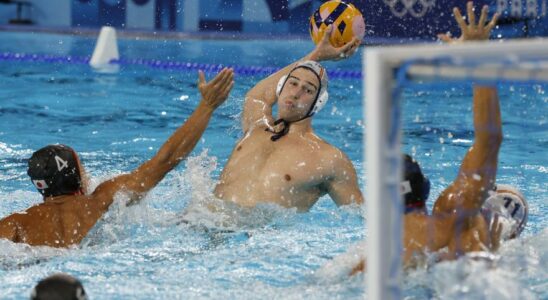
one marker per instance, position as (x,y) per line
(511,207)
(322,97)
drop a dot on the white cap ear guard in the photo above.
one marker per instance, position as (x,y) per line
(280,85)
(315,67)
(320,103)
(511,207)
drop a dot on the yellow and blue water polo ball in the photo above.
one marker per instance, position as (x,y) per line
(347,22)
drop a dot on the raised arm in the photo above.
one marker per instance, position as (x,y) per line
(175,149)
(478,170)
(260,99)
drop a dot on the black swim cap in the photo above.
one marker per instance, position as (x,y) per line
(54,171)
(59,287)
(415,186)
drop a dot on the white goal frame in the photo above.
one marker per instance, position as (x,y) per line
(382,143)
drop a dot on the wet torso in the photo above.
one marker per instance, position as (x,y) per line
(55,224)
(290,172)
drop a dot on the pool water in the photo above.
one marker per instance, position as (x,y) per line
(117,121)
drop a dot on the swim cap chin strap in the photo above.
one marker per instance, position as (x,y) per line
(279,134)
(319,101)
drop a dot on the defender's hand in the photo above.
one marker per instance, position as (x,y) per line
(215,92)
(325,51)
(495,232)
(472,31)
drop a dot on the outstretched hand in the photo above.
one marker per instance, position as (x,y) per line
(215,92)
(325,51)
(471,31)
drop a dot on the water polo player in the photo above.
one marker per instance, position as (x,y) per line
(472,214)
(69,212)
(282,160)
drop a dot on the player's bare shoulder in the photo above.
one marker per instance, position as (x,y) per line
(332,156)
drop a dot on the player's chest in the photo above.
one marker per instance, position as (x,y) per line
(288,160)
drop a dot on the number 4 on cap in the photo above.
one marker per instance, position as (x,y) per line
(61,164)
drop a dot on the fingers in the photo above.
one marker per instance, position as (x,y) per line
(349,48)
(493,22)
(445,37)
(483,16)
(327,34)
(220,77)
(346,47)
(227,89)
(495,228)
(355,45)
(470,13)
(498,227)
(216,91)
(227,80)
(459,18)
(472,30)
(201,77)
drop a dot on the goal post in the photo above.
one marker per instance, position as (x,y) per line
(384,69)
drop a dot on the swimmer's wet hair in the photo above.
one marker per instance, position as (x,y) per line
(54,171)
(59,287)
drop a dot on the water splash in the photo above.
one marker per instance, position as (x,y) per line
(215,214)
(17,256)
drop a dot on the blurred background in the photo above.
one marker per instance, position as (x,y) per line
(392,21)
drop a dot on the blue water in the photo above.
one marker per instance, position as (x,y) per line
(116,121)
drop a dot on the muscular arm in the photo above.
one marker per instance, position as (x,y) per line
(343,187)
(478,170)
(174,150)
(260,99)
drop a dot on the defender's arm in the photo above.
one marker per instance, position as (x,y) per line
(478,170)
(175,149)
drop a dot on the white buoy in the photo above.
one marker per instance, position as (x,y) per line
(106,49)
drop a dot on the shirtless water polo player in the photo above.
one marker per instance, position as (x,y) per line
(69,212)
(283,161)
(473,214)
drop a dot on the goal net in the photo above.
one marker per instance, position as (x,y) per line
(388,71)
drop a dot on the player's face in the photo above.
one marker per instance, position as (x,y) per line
(298,94)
